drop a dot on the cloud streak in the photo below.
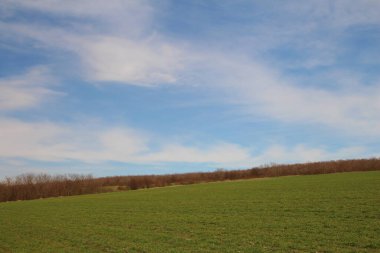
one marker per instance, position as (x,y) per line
(134,55)
(146,58)
(46,141)
(269,93)
(147,62)
(26,90)
(121,42)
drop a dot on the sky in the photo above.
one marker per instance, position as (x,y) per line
(122,87)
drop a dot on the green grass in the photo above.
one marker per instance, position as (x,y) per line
(322,213)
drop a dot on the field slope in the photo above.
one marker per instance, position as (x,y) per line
(321,213)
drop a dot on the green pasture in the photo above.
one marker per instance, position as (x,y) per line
(319,213)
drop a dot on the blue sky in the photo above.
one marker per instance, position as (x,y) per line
(149,87)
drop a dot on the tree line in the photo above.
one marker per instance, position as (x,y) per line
(35,186)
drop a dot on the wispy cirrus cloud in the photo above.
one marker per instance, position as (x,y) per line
(311,34)
(130,17)
(303,153)
(26,90)
(146,62)
(56,143)
(111,40)
(46,141)
(152,59)
(255,65)
(351,108)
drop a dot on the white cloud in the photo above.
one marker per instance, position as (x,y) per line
(120,49)
(223,154)
(309,34)
(127,16)
(261,90)
(47,141)
(117,144)
(302,153)
(52,142)
(39,141)
(26,90)
(144,62)
(143,57)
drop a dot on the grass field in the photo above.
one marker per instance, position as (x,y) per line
(321,213)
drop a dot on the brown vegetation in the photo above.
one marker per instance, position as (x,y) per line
(34,186)
(31,186)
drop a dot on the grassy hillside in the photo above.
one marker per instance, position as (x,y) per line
(324,213)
